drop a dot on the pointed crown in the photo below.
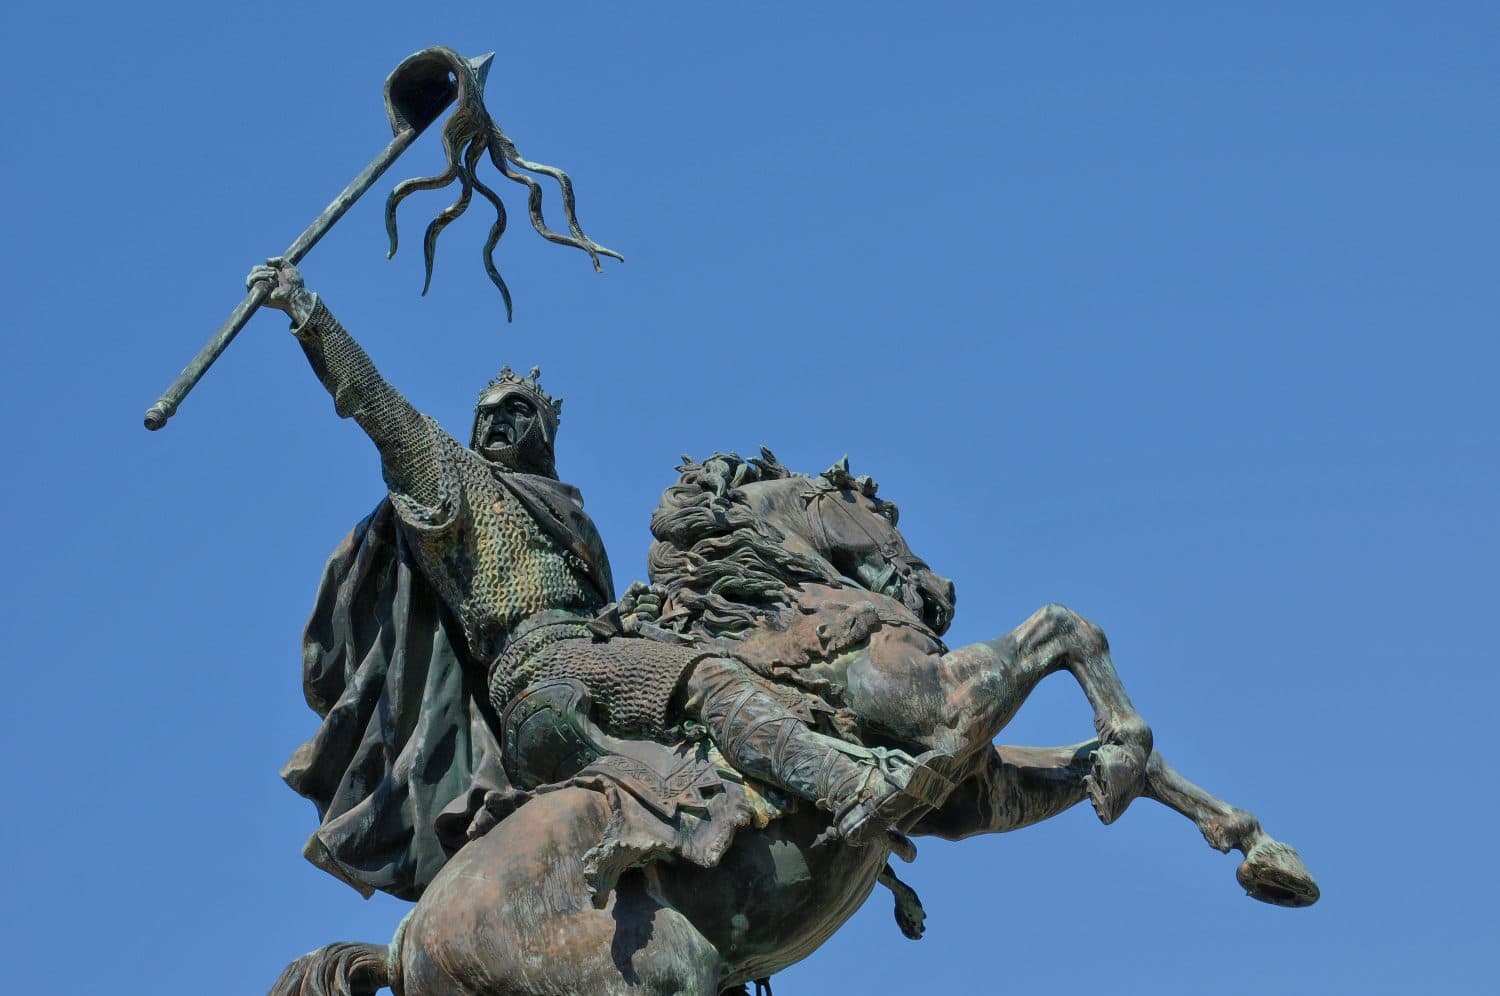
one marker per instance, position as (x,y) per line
(508,383)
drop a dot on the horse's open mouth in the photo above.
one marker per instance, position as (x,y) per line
(936,616)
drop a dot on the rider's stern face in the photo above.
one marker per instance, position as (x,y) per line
(505,423)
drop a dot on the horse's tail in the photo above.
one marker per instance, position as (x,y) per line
(343,969)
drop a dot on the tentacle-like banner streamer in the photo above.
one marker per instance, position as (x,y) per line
(467,136)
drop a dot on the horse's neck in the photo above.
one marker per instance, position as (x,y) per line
(780,505)
(823,622)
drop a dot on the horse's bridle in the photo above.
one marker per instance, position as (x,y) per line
(897,576)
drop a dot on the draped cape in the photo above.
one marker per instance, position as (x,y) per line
(407,748)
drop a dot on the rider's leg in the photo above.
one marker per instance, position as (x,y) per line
(762,735)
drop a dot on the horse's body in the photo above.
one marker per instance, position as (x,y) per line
(511,912)
(858,616)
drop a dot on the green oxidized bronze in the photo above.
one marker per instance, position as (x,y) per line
(416,93)
(683,789)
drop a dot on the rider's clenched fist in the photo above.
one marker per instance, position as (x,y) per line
(287,291)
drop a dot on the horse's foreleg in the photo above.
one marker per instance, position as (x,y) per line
(1006,788)
(1271,872)
(986,683)
(905,689)
(1066,641)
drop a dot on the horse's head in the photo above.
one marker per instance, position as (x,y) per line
(838,518)
(735,538)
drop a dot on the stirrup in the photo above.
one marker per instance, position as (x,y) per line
(925,786)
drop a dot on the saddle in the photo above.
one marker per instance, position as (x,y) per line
(676,800)
(549,737)
(680,800)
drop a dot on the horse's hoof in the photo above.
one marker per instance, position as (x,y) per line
(1116,776)
(1273,873)
(911,922)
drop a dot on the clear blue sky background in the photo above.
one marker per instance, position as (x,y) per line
(1180,314)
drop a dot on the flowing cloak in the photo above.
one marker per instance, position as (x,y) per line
(407,748)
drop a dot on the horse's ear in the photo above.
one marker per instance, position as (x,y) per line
(838,475)
(771,469)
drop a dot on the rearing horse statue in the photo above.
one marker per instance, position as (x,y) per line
(630,867)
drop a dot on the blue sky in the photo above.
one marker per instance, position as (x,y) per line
(1182,315)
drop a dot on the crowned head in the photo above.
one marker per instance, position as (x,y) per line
(515,423)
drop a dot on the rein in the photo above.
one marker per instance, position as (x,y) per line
(896,566)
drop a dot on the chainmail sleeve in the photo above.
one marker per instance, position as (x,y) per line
(411,456)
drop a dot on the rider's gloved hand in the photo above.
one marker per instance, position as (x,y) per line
(643,601)
(287,291)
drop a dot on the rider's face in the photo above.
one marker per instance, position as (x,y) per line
(509,428)
(509,420)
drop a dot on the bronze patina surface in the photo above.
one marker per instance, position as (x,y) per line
(682,789)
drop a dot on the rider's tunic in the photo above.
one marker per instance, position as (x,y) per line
(521,591)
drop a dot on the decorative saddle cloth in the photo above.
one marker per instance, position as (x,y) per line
(677,800)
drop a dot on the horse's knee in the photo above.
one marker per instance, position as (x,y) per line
(1129,730)
(1052,620)
(1091,635)
(1060,630)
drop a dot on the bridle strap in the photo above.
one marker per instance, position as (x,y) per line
(894,565)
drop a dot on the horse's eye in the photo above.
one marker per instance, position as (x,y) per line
(891,512)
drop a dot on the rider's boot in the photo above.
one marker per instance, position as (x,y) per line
(868,790)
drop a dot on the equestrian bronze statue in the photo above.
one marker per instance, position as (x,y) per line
(690,786)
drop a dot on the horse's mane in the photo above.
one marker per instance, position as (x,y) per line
(723,566)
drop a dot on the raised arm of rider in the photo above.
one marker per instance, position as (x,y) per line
(403,435)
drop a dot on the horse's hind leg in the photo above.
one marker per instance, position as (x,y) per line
(634,947)
(511,914)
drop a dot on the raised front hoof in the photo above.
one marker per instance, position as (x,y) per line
(1273,873)
(1116,777)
